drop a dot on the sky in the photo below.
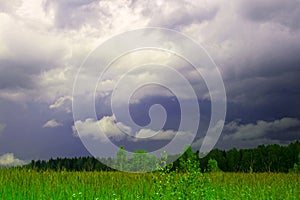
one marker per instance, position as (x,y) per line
(254,46)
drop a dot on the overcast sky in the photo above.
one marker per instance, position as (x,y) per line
(254,43)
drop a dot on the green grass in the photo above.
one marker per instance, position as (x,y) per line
(256,185)
(24,184)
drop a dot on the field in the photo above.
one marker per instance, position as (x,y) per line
(30,184)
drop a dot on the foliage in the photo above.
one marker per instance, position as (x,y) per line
(120,162)
(142,162)
(296,167)
(190,184)
(212,166)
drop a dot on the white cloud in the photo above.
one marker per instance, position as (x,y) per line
(10,6)
(149,134)
(155,135)
(102,129)
(8,159)
(62,103)
(104,15)
(108,128)
(52,124)
(171,14)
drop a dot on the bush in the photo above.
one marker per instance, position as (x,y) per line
(175,184)
(212,166)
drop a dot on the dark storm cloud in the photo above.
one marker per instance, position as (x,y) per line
(261,129)
(265,91)
(248,135)
(19,76)
(14,76)
(259,58)
(286,13)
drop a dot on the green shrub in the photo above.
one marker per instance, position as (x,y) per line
(212,166)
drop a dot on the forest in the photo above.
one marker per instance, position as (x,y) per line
(270,158)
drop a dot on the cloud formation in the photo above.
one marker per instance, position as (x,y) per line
(152,135)
(107,128)
(10,6)
(52,124)
(102,129)
(286,14)
(259,129)
(250,135)
(9,159)
(63,103)
(256,45)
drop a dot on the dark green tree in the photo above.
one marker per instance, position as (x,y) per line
(233,160)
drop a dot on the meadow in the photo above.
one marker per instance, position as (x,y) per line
(30,185)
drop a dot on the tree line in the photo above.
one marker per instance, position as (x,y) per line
(270,158)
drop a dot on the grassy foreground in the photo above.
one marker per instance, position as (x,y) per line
(24,184)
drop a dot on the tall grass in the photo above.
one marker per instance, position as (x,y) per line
(22,184)
(29,185)
(256,185)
